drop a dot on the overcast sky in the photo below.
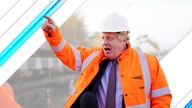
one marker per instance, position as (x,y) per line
(166,21)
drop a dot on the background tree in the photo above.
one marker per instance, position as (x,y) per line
(73,30)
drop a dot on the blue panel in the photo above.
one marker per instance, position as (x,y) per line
(189,105)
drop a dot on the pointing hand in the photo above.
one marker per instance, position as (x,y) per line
(49,25)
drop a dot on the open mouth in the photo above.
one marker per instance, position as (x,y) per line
(107,49)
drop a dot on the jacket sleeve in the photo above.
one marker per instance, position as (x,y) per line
(69,56)
(160,93)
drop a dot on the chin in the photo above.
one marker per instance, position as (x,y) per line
(109,57)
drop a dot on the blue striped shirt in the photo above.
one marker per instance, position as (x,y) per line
(101,93)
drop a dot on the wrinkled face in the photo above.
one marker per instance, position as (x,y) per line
(112,45)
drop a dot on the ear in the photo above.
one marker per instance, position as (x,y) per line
(125,42)
(127,33)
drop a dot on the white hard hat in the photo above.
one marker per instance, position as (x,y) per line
(114,22)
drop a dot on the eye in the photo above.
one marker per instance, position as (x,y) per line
(110,38)
(102,37)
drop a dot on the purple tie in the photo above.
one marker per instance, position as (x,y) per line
(111,89)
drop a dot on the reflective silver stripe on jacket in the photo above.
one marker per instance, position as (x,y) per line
(59,47)
(146,73)
(147,80)
(78,63)
(147,105)
(160,92)
(89,59)
(76,53)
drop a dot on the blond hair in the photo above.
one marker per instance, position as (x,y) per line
(123,36)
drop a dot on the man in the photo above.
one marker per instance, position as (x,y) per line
(115,76)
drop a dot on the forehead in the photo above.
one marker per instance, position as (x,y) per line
(109,34)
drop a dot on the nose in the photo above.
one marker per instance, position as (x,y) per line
(104,42)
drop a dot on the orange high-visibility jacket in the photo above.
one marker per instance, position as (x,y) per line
(7,97)
(143,81)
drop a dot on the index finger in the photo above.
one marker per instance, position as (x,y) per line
(48,18)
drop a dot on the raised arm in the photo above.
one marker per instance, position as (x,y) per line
(71,57)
